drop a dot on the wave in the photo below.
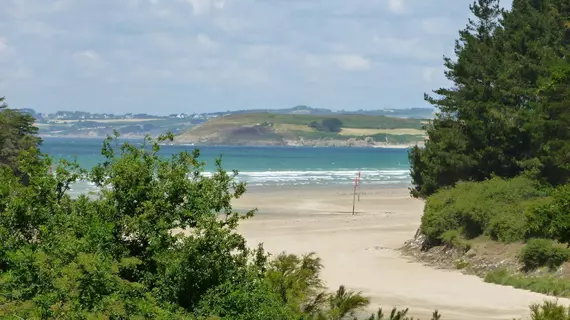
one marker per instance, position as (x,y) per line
(297,177)
(325,177)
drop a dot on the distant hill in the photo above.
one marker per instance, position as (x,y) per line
(86,124)
(418,113)
(304,129)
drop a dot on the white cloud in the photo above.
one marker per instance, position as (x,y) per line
(200,7)
(396,6)
(183,54)
(87,55)
(6,51)
(205,41)
(3,45)
(352,62)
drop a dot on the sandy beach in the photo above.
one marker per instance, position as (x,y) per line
(361,251)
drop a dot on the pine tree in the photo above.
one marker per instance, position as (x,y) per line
(17,133)
(459,133)
(497,118)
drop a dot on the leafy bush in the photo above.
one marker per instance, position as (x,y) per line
(494,207)
(543,252)
(114,256)
(250,299)
(454,239)
(551,218)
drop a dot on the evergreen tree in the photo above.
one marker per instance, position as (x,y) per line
(458,136)
(491,120)
(17,133)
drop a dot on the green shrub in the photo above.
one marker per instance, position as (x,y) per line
(543,253)
(494,207)
(454,239)
(549,311)
(550,218)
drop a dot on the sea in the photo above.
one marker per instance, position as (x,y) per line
(266,166)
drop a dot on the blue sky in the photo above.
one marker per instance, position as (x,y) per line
(163,56)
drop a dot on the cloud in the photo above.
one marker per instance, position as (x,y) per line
(200,7)
(5,49)
(352,62)
(396,6)
(202,55)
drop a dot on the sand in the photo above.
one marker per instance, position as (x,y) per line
(361,251)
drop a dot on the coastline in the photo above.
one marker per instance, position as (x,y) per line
(362,251)
(306,144)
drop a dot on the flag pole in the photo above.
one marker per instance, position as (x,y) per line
(356,183)
(354,199)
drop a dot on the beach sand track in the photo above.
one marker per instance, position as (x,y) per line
(362,253)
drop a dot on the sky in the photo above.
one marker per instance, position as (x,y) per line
(170,56)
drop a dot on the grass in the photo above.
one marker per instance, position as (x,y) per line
(546,284)
(228,129)
(349,121)
(370,132)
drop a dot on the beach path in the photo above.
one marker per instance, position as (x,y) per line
(361,251)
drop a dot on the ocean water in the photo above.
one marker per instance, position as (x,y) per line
(268,166)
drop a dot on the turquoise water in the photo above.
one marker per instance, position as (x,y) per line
(265,166)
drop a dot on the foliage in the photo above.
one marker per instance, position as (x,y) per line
(296,281)
(454,239)
(116,255)
(17,133)
(551,217)
(549,311)
(332,124)
(494,207)
(327,125)
(344,303)
(158,241)
(546,284)
(543,252)
(506,112)
(247,299)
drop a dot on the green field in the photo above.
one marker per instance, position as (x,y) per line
(267,128)
(349,121)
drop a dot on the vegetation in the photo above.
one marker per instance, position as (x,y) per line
(496,159)
(506,112)
(276,129)
(549,311)
(16,134)
(494,207)
(543,252)
(551,218)
(327,125)
(546,284)
(159,241)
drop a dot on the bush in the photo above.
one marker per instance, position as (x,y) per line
(332,124)
(454,239)
(543,252)
(327,125)
(494,207)
(549,311)
(550,218)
